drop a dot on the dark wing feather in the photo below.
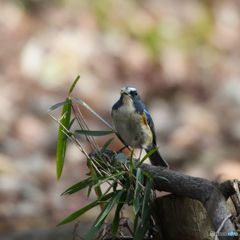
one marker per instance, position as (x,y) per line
(151,125)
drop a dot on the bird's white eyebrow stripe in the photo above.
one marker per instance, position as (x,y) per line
(129,89)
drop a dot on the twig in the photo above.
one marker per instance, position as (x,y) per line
(84,126)
(221,226)
(75,234)
(125,224)
(72,137)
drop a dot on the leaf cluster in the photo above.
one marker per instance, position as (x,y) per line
(128,184)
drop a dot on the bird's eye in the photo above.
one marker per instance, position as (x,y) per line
(134,93)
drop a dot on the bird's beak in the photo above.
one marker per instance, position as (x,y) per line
(124,91)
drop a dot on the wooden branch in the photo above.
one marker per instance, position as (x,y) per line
(211,194)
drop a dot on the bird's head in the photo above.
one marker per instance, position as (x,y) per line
(130,92)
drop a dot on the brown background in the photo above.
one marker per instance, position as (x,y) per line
(182,56)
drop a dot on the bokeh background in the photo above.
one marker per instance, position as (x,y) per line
(182,56)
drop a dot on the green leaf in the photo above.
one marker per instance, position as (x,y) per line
(143,227)
(74,83)
(136,205)
(138,189)
(146,198)
(147,175)
(116,218)
(106,145)
(59,105)
(95,228)
(130,197)
(78,186)
(131,164)
(89,190)
(93,133)
(62,143)
(139,177)
(69,127)
(135,224)
(98,190)
(101,217)
(108,158)
(66,135)
(86,106)
(162,178)
(121,158)
(146,156)
(110,206)
(98,178)
(105,163)
(111,186)
(115,186)
(110,177)
(85,209)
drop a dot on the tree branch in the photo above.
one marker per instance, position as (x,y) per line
(213,195)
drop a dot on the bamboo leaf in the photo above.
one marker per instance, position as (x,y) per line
(98,190)
(95,228)
(143,227)
(108,178)
(116,218)
(106,163)
(109,207)
(121,158)
(111,185)
(78,186)
(135,224)
(62,143)
(162,178)
(69,127)
(90,109)
(59,105)
(89,190)
(138,189)
(106,145)
(146,198)
(93,133)
(101,217)
(147,175)
(139,176)
(74,84)
(86,106)
(85,209)
(130,197)
(131,164)
(146,156)
(115,186)
(136,205)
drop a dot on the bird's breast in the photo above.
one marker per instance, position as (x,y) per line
(131,126)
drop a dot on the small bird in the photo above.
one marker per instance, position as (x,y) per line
(134,124)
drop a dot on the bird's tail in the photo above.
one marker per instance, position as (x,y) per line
(157,160)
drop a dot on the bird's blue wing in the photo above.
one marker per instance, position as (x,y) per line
(151,125)
(141,108)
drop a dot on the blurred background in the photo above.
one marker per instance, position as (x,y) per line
(182,56)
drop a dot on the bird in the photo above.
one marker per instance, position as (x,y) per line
(134,124)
